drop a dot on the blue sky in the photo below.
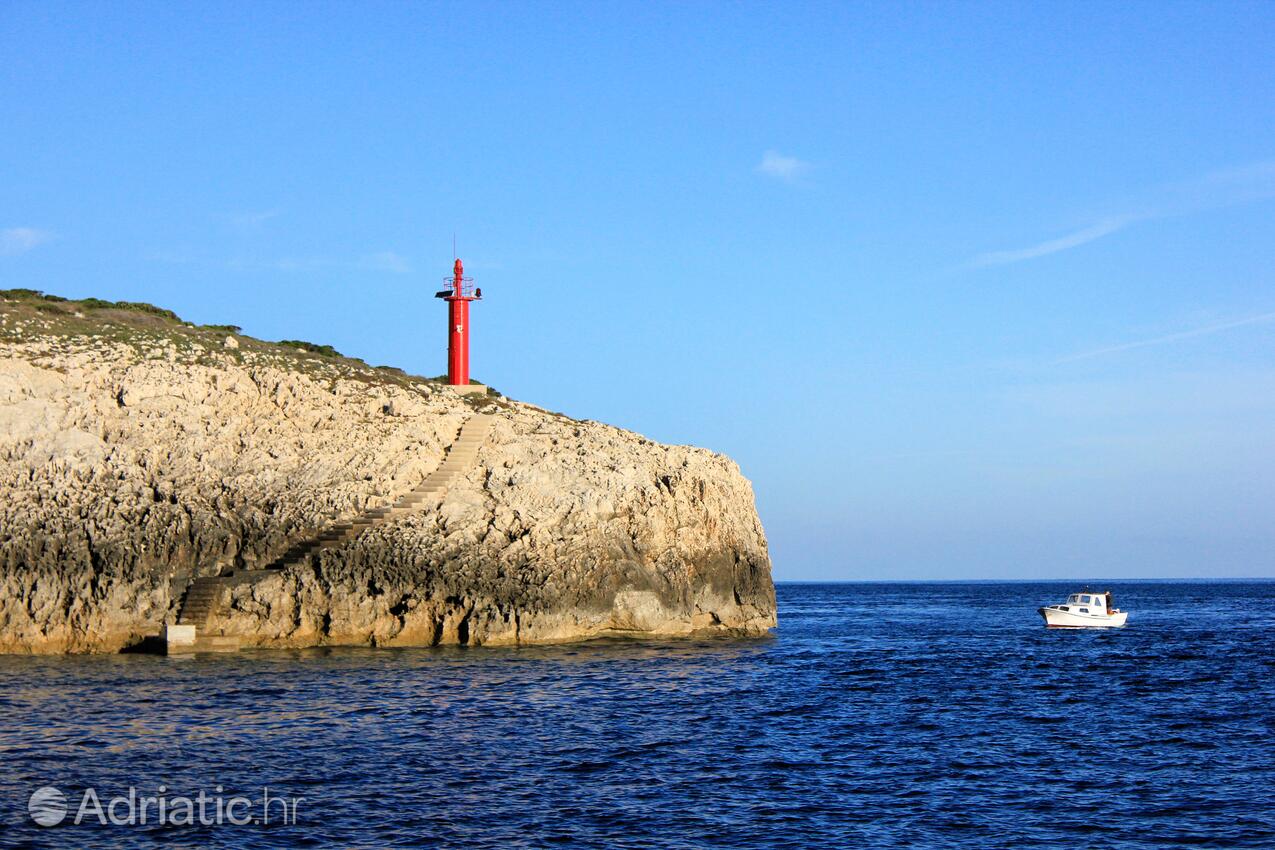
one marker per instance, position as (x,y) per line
(968,290)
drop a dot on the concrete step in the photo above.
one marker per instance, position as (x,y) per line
(210,643)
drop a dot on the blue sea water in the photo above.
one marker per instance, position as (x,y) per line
(878,715)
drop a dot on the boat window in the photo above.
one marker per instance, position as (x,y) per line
(1073,598)
(1085,600)
(1084,610)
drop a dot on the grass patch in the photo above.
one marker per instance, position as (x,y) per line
(89,303)
(28,295)
(310,347)
(149,309)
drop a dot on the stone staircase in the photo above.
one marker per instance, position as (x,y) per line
(204,594)
(202,597)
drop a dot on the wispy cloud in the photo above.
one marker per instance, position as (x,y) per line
(386,261)
(1222,188)
(282,264)
(1053,246)
(19,240)
(775,164)
(1206,330)
(1214,190)
(249,219)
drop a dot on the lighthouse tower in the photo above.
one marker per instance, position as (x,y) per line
(459,293)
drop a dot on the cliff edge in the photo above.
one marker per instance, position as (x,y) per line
(139,452)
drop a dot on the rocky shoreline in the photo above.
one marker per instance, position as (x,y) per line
(138,452)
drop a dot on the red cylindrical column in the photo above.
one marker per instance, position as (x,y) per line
(458,330)
(457,342)
(464,341)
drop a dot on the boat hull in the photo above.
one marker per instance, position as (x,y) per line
(1058,619)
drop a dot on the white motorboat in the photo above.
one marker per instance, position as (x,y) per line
(1085,610)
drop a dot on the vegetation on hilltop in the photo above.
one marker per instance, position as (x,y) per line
(145,326)
(313,348)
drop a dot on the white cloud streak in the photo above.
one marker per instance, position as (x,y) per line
(386,261)
(251,219)
(383,262)
(19,240)
(1053,246)
(775,164)
(1215,190)
(1207,330)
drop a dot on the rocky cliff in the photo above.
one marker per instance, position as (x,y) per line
(138,452)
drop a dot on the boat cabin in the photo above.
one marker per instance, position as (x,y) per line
(1089,603)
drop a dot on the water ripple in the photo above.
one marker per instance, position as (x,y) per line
(905,715)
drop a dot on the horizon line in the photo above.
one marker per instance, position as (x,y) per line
(1199,579)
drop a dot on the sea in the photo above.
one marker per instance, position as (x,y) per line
(877,715)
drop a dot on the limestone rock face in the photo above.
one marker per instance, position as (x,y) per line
(130,465)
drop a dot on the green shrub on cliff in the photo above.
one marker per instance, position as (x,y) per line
(310,347)
(28,295)
(89,303)
(143,307)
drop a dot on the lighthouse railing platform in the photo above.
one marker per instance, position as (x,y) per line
(467,289)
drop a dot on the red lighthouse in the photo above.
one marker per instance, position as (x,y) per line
(458,297)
